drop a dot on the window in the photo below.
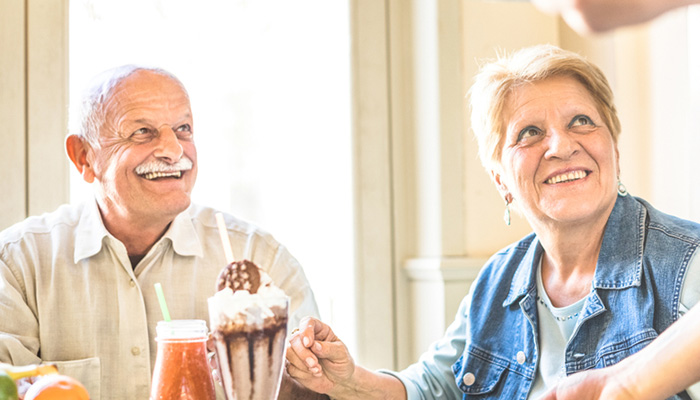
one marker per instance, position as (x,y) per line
(269,82)
(694,89)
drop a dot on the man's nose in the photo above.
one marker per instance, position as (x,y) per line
(561,144)
(168,145)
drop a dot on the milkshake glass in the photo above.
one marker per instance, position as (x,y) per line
(250,331)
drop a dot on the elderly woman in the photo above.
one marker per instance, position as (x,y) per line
(601,276)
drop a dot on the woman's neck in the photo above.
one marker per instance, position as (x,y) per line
(569,261)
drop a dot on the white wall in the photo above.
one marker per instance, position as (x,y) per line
(33,98)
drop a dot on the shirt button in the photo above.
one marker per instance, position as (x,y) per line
(468,379)
(521,357)
(135,351)
(132,283)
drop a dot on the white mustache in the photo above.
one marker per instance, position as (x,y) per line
(183,164)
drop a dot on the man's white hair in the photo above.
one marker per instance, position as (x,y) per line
(91,113)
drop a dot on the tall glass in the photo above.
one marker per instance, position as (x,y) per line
(182,371)
(250,335)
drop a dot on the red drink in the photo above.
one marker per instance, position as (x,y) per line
(182,371)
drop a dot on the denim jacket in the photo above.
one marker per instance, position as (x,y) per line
(635,296)
(490,351)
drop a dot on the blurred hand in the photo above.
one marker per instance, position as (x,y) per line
(317,359)
(597,384)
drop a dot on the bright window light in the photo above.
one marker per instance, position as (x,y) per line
(269,82)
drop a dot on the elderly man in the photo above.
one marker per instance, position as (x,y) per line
(77,285)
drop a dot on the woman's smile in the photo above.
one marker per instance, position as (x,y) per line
(565,177)
(558,158)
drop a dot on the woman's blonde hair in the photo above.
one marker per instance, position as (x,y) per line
(497,79)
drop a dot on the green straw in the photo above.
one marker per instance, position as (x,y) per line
(161,300)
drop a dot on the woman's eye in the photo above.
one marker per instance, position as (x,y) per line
(580,120)
(528,132)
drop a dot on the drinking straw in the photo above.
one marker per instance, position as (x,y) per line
(223,233)
(161,300)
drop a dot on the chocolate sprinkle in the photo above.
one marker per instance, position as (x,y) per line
(239,275)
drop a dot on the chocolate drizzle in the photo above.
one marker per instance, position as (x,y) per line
(236,340)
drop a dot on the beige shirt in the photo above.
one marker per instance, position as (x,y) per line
(69,295)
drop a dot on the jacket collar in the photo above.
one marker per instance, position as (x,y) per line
(91,232)
(619,261)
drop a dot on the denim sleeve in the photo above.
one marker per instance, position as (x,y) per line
(431,378)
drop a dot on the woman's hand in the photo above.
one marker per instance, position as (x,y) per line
(317,359)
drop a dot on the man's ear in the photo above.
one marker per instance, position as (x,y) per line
(77,151)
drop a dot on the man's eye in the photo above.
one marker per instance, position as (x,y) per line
(580,120)
(529,132)
(139,132)
(184,128)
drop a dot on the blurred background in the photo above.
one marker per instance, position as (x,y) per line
(341,127)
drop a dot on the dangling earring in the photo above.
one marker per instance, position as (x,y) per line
(506,214)
(621,189)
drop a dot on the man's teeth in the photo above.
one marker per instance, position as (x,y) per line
(571,176)
(155,175)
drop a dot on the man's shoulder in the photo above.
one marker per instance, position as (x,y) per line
(67,216)
(204,217)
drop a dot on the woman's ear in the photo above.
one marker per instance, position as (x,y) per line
(78,152)
(617,160)
(500,185)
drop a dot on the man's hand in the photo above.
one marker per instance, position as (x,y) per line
(317,359)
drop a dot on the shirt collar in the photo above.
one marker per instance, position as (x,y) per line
(183,235)
(91,232)
(620,259)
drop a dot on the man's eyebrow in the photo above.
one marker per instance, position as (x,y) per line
(146,121)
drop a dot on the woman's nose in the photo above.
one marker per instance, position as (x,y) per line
(561,144)
(168,145)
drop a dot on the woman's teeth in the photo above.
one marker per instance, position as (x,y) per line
(156,175)
(571,176)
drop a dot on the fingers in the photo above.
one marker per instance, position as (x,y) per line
(331,351)
(304,343)
(299,355)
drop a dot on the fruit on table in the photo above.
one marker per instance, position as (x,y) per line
(8,388)
(57,387)
(25,371)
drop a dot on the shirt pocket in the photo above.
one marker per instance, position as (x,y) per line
(479,373)
(86,370)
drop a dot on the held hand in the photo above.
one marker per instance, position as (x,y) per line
(317,359)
